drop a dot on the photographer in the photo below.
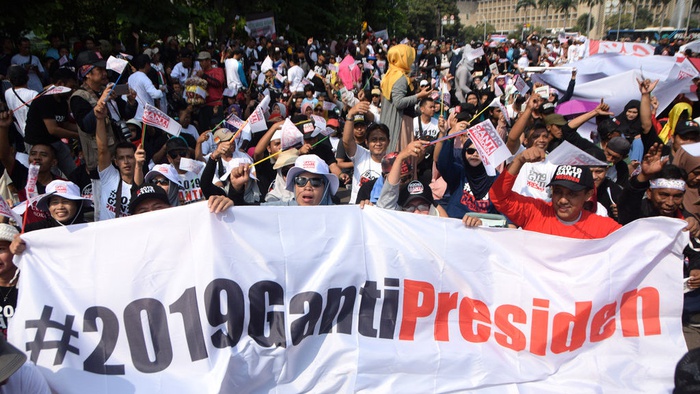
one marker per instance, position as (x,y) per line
(31,63)
(92,72)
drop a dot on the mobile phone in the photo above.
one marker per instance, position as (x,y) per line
(122,89)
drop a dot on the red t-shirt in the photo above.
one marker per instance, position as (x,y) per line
(216,82)
(536,215)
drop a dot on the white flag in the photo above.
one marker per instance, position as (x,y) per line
(476,53)
(492,149)
(154,117)
(291,136)
(116,65)
(568,154)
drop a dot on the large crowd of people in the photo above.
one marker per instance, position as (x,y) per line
(374,115)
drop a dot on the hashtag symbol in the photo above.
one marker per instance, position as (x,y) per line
(62,346)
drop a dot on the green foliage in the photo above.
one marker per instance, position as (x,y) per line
(476,33)
(582,24)
(644,19)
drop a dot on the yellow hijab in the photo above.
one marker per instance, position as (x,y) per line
(400,58)
(667,132)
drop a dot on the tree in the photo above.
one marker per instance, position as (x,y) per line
(584,23)
(589,22)
(476,33)
(525,4)
(565,7)
(546,4)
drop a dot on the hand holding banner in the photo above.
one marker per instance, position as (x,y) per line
(492,149)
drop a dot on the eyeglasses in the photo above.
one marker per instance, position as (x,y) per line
(161,182)
(420,208)
(177,152)
(301,181)
(470,151)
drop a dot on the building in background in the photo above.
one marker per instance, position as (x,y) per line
(503,16)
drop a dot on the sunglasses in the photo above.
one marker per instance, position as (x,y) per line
(301,181)
(318,110)
(161,182)
(177,152)
(470,151)
(420,208)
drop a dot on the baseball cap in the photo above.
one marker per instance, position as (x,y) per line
(286,158)
(204,55)
(415,190)
(146,192)
(314,165)
(222,135)
(332,122)
(688,127)
(376,92)
(61,188)
(7,232)
(165,170)
(547,108)
(91,58)
(575,178)
(134,122)
(359,118)
(555,119)
(176,143)
(619,145)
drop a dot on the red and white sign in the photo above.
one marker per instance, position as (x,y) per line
(488,143)
(152,116)
(623,48)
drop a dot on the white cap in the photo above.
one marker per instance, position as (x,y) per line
(314,165)
(277,135)
(64,189)
(166,170)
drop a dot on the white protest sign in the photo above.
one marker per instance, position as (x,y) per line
(32,177)
(521,85)
(328,106)
(217,310)
(496,103)
(310,75)
(492,149)
(319,121)
(568,154)
(117,65)
(7,212)
(291,136)
(494,68)
(187,164)
(475,53)
(57,90)
(154,117)
(693,149)
(542,91)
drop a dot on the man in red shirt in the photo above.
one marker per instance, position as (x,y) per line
(216,81)
(571,187)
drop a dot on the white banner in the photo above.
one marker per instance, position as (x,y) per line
(261,27)
(326,300)
(623,48)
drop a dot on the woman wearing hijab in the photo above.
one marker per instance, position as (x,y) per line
(680,112)
(64,204)
(397,96)
(165,176)
(467,180)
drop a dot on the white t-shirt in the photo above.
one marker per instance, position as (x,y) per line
(295,75)
(34,80)
(146,93)
(365,170)
(430,129)
(191,191)
(533,179)
(108,192)
(27,379)
(13,102)
(191,130)
(181,73)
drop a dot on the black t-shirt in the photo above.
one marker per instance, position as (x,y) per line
(8,303)
(325,152)
(266,174)
(45,107)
